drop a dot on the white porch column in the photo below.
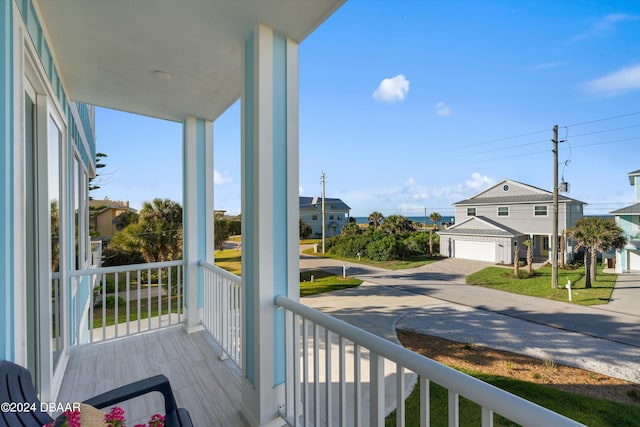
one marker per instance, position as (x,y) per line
(197,215)
(270,214)
(7,282)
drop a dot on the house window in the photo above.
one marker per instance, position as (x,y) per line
(471,211)
(314,217)
(503,210)
(540,210)
(331,217)
(505,187)
(545,243)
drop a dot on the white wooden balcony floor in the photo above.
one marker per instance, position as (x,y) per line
(207,386)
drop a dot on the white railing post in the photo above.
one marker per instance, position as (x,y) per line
(376,390)
(454,408)
(425,412)
(399,395)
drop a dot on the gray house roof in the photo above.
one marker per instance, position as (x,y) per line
(494,228)
(330,203)
(538,195)
(629,210)
(633,174)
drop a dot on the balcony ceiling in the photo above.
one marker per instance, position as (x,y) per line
(165,58)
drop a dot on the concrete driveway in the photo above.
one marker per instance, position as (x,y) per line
(434,299)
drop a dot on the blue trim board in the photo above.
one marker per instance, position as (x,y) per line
(248,257)
(280,217)
(6,181)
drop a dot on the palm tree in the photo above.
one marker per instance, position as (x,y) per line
(528,244)
(158,233)
(596,234)
(375,219)
(396,224)
(516,260)
(435,217)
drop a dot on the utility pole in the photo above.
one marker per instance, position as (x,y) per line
(322,181)
(554,232)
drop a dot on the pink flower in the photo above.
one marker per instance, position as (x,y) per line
(72,419)
(156,420)
(115,417)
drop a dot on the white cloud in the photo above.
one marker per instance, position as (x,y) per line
(442,110)
(221,178)
(605,24)
(392,89)
(549,65)
(618,82)
(478,181)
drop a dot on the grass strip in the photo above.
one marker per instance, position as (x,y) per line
(539,284)
(587,410)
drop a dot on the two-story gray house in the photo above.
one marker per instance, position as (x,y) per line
(489,224)
(628,219)
(336,215)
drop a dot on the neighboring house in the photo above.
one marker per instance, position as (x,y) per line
(628,219)
(102,217)
(489,224)
(335,217)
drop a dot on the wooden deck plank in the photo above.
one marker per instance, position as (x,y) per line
(207,386)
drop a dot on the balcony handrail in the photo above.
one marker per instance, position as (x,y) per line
(119,268)
(222,310)
(222,272)
(486,395)
(143,297)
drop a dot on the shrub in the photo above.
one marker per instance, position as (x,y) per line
(110,301)
(117,256)
(385,249)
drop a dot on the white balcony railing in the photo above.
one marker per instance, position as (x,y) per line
(338,353)
(221,315)
(113,302)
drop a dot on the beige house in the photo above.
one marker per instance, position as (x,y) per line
(102,217)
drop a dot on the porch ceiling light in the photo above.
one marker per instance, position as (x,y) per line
(162,75)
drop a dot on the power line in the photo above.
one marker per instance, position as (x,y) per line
(604,119)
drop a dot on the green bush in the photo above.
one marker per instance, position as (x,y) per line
(418,243)
(110,301)
(116,256)
(386,248)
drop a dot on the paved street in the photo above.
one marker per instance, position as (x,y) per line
(434,299)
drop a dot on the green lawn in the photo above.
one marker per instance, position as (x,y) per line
(539,284)
(110,313)
(590,411)
(324,281)
(412,262)
(230,260)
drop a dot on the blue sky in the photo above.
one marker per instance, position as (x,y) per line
(414,104)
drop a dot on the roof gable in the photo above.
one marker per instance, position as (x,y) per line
(510,191)
(479,225)
(315,202)
(632,175)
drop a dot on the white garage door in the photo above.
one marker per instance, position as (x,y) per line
(634,260)
(481,251)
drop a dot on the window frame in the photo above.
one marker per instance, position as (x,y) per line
(475,211)
(500,211)
(546,210)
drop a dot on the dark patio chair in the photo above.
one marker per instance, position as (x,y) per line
(16,386)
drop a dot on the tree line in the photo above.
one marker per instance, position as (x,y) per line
(385,239)
(154,234)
